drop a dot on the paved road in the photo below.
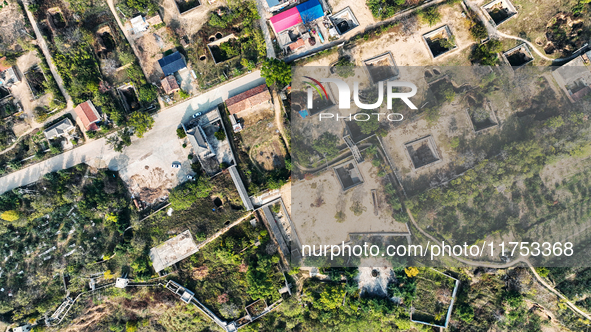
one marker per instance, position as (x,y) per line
(264,29)
(154,147)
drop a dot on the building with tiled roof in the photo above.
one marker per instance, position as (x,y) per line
(60,129)
(169,84)
(88,115)
(248,99)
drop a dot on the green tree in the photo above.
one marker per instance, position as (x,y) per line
(183,196)
(430,15)
(220,135)
(180,132)
(344,67)
(276,72)
(370,126)
(330,298)
(326,145)
(141,122)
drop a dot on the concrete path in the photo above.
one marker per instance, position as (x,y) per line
(154,147)
(264,29)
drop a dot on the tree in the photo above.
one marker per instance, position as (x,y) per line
(411,271)
(344,67)
(370,126)
(10,215)
(141,122)
(330,298)
(430,15)
(220,135)
(180,132)
(276,72)
(147,93)
(326,145)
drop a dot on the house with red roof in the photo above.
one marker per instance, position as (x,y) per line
(248,99)
(88,115)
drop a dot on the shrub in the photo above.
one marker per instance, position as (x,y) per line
(220,135)
(10,215)
(430,15)
(180,132)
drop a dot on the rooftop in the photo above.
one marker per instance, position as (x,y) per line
(248,99)
(169,84)
(173,251)
(87,114)
(139,24)
(172,63)
(59,129)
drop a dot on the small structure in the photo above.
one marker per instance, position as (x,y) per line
(275,5)
(173,251)
(172,63)
(154,20)
(236,126)
(185,294)
(518,56)
(348,175)
(296,45)
(499,11)
(382,68)
(23,328)
(215,50)
(422,152)
(169,84)
(60,129)
(344,21)
(574,77)
(88,114)
(139,24)
(440,41)
(248,99)
(10,76)
(121,282)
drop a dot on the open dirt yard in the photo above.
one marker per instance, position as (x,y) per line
(406,43)
(190,22)
(359,9)
(261,139)
(323,214)
(23,93)
(151,46)
(12,26)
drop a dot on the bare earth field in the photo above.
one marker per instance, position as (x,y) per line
(315,203)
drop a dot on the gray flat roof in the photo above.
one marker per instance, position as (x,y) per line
(173,250)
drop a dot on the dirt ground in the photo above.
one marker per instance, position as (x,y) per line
(261,139)
(409,49)
(316,201)
(532,18)
(22,92)
(12,26)
(151,50)
(359,9)
(192,21)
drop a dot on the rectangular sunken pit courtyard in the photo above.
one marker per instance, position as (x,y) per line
(422,152)
(440,41)
(382,68)
(518,56)
(499,11)
(348,175)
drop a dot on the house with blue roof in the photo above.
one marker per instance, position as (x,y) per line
(172,63)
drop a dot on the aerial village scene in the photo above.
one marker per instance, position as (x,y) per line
(162,167)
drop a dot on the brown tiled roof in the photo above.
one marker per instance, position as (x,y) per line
(248,99)
(87,114)
(297,44)
(154,20)
(169,84)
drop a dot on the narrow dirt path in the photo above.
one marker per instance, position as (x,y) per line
(277,103)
